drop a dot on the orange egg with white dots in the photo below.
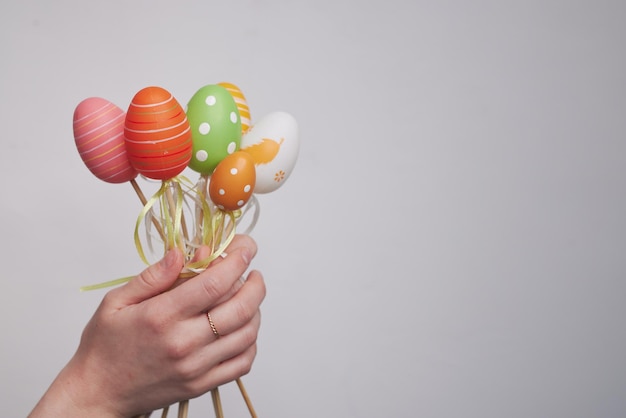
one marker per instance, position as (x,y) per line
(232,182)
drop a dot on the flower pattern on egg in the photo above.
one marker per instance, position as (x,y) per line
(279,176)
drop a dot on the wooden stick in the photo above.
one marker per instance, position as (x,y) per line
(217,403)
(183,408)
(201,186)
(144,201)
(165,411)
(246,398)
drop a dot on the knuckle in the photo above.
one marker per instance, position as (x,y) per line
(190,388)
(243,312)
(183,375)
(245,365)
(249,336)
(211,287)
(245,368)
(148,277)
(178,349)
(248,241)
(155,320)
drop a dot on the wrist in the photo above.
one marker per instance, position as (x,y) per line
(72,395)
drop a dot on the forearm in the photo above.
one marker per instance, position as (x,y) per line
(69,396)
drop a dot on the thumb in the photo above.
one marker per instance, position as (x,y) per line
(154,280)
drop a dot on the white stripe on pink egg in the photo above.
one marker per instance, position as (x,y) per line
(117,119)
(105,105)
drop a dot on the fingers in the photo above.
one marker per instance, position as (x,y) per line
(203,291)
(154,280)
(229,316)
(230,369)
(233,314)
(226,359)
(239,241)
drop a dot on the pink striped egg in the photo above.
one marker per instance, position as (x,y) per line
(99,136)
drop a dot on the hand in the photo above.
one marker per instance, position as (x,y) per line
(150,344)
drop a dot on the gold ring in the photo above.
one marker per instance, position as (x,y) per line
(217,334)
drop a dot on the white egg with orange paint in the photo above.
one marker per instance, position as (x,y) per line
(273,144)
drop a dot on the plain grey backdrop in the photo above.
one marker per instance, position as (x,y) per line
(452,242)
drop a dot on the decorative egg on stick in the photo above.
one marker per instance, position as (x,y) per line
(158,143)
(158,137)
(242,105)
(99,135)
(233,181)
(98,128)
(231,186)
(215,125)
(273,144)
(218,114)
(235,158)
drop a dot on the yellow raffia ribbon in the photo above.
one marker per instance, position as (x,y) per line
(217,227)
(171,209)
(110,283)
(210,228)
(217,223)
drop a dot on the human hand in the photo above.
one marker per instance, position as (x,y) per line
(150,344)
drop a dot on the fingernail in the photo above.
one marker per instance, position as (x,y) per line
(169,259)
(245,254)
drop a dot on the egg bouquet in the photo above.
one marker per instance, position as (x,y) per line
(156,140)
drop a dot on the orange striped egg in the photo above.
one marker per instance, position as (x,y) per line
(99,135)
(242,105)
(157,134)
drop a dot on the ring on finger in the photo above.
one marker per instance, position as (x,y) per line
(212,325)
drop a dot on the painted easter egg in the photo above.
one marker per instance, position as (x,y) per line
(99,135)
(215,127)
(273,144)
(157,134)
(232,182)
(242,105)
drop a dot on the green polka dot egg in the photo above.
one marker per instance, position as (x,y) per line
(215,127)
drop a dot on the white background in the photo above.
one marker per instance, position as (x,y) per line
(452,242)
